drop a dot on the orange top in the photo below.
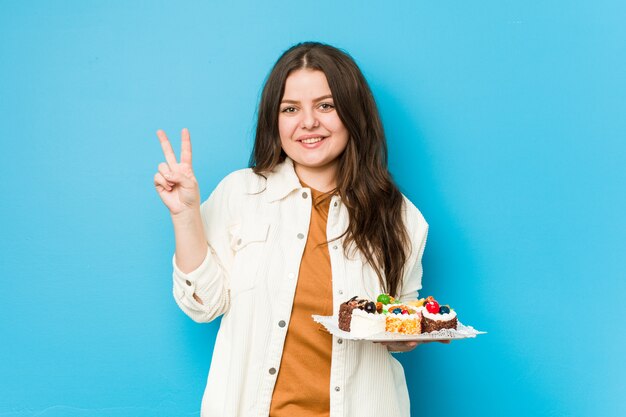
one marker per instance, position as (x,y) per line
(303,384)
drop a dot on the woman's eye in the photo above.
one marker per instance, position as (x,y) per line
(326,106)
(288,110)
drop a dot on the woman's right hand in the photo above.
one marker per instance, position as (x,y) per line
(175,181)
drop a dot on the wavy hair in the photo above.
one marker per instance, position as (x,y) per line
(373,201)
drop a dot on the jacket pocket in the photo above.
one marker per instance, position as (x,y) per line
(241,235)
(249,243)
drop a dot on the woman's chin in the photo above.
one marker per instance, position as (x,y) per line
(315,164)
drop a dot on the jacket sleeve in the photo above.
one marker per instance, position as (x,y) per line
(210,281)
(418,232)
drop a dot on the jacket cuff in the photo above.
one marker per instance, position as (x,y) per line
(187,283)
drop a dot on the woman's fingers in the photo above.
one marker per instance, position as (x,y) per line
(170,157)
(408,346)
(185,147)
(161,183)
(402,346)
(182,174)
(166,172)
(410,343)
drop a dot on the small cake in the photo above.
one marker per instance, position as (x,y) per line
(366,324)
(360,318)
(399,318)
(435,317)
(403,319)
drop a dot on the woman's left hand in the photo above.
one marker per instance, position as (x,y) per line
(408,346)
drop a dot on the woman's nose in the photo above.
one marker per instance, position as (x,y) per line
(309,120)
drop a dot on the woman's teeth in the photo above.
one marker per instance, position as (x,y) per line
(312,140)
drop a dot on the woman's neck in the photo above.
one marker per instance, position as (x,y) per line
(322,179)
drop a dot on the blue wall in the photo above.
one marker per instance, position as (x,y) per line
(506,127)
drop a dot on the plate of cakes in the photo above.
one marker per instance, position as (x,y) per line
(386,320)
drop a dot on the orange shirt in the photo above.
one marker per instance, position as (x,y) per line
(303,384)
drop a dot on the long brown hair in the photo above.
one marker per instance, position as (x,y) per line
(374,203)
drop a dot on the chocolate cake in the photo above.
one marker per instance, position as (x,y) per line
(345,311)
(435,317)
(431,323)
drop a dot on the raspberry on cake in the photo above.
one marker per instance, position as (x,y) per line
(437,317)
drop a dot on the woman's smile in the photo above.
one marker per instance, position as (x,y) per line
(309,141)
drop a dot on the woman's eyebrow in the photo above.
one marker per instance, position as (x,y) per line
(285,100)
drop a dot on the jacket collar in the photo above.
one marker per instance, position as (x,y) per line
(282,181)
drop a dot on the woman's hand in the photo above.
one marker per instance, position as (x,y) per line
(175,181)
(178,188)
(408,346)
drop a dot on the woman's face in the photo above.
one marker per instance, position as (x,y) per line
(311,133)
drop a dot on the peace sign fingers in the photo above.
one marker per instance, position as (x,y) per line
(175,181)
(170,157)
(185,147)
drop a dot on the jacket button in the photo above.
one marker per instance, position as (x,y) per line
(340,341)
(282,323)
(300,236)
(335,247)
(337,389)
(272,371)
(340,292)
(188,283)
(304,195)
(335,204)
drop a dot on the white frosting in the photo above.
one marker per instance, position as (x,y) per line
(405,316)
(439,317)
(365,324)
(390,307)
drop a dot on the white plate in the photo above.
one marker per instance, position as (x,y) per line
(461,332)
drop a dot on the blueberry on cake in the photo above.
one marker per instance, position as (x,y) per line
(436,317)
(399,318)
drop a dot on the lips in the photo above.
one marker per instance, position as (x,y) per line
(311,140)
(310,136)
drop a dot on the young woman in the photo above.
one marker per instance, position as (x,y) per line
(316,220)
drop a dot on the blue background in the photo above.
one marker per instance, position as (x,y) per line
(506,126)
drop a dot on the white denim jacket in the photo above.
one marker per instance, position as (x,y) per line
(256,229)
